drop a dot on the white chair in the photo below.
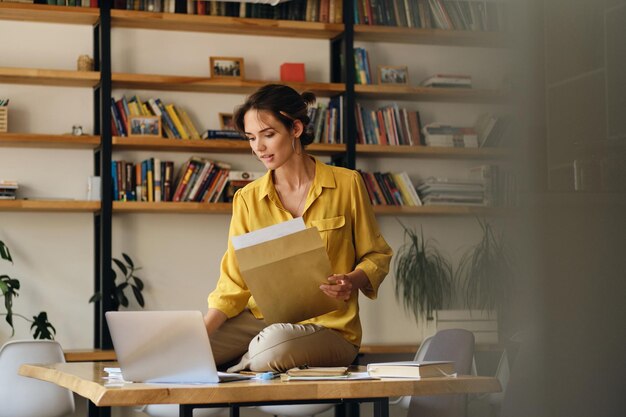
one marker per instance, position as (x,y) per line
(403,402)
(26,397)
(172,410)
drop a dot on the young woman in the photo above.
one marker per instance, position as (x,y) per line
(330,198)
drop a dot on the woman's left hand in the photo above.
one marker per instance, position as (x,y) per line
(340,287)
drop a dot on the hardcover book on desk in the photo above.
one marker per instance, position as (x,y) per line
(411,369)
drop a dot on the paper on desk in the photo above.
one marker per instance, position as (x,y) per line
(351,376)
(284,273)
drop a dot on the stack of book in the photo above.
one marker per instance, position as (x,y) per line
(448,81)
(175,122)
(445,191)
(389,125)
(501,184)
(8,189)
(436,134)
(152,180)
(388,189)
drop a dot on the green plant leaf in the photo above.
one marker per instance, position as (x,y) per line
(121,266)
(5,253)
(97,297)
(128,260)
(138,283)
(138,296)
(42,328)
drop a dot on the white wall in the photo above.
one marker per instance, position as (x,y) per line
(180,253)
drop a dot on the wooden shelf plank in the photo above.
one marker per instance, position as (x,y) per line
(226,25)
(371,33)
(50,205)
(429,152)
(36,140)
(49,77)
(206,84)
(89,355)
(49,14)
(211,146)
(435,210)
(171,207)
(403,92)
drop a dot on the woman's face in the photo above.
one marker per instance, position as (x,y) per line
(269,139)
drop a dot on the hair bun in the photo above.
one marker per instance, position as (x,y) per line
(308,97)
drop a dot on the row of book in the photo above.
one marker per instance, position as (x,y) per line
(175,122)
(153,180)
(325,11)
(70,3)
(389,125)
(390,189)
(326,121)
(8,189)
(473,15)
(502,187)
(363,71)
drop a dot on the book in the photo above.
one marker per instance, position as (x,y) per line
(318,371)
(411,369)
(448,80)
(222,134)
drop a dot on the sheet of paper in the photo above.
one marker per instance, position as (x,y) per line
(268,233)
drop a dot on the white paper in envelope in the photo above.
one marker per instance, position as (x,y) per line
(284,275)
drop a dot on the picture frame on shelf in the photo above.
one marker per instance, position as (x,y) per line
(223,67)
(393,74)
(144,126)
(227,121)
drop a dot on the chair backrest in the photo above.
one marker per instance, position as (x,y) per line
(455,345)
(27,397)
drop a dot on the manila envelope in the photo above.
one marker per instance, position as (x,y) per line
(284,276)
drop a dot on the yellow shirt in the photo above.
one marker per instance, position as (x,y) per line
(338,205)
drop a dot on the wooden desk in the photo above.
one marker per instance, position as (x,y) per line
(85,379)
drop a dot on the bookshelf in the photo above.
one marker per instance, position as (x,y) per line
(342,84)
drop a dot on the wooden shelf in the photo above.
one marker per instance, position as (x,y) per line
(429,152)
(171,207)
(49,77)
(68,206)
(403,92)
(225,25)
(210,146)
(208,85)
(436,210)
(33,140)
(371,33)
(49,14)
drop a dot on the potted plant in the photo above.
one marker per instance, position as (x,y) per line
(128,269)
(485,272)
(424,278)
(9,287)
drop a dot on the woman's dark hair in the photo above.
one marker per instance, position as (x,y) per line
(284,103)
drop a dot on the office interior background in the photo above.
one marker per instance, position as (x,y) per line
(565,65)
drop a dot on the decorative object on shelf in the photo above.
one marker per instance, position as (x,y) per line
(424,277)
(94,186)
(486,272)
(84,63)
(226,121)
(77,130)
(40,326)
(226,67)
(118,297)
(393,75)
(144,126)
(448,81)
(292,72)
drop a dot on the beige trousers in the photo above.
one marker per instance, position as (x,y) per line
(279,346)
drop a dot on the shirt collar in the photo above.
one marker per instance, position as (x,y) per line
(324,178)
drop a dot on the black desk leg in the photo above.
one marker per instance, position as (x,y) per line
(185,410)
(381,407)
(234,411)
(95,411)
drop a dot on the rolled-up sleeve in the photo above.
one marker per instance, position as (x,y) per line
(231,293)
(373,254)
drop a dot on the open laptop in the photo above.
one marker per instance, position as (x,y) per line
(164,346)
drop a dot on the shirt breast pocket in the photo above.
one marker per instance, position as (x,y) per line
(332,231)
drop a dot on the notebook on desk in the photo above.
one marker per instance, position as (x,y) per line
(164,346)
